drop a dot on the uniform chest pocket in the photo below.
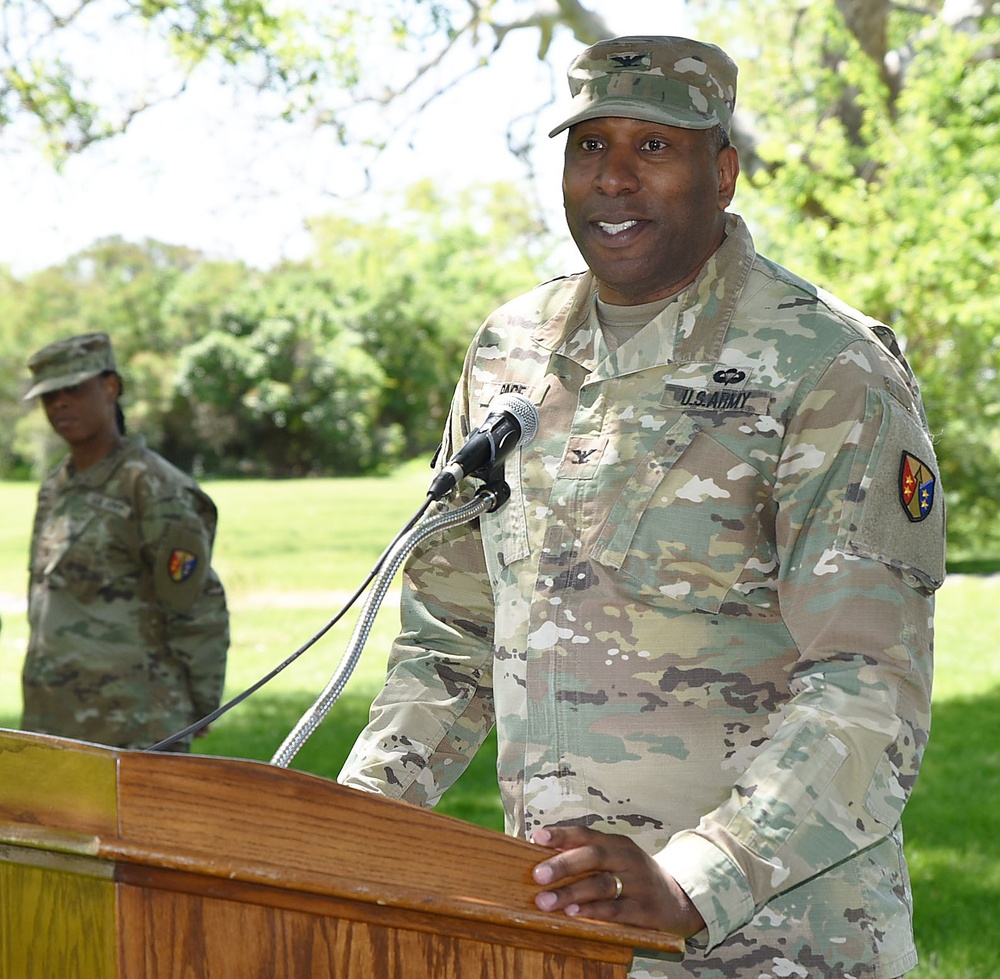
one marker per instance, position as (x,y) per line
(686,526)
(82,557)
(505,531)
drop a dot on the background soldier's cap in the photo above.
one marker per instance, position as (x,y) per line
(67,362)
(670,80)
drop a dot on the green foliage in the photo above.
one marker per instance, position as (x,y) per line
(284,398)
(112,286)
(416,289)
(888,198)
(346,363)
(342,364)
(296,58)
(57,82)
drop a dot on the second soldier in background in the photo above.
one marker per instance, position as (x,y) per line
(129,628)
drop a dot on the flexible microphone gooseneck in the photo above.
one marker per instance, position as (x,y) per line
(512,420)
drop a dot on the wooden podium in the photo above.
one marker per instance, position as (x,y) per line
(131,865)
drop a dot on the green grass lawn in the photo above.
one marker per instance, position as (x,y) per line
(290,552)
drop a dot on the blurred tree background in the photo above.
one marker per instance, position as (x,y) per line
(342,364)
(869,134)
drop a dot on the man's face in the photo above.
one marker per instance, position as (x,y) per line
(645,204)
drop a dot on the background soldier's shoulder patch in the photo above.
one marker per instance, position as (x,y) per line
(183,559)
(916,486)
(181,565)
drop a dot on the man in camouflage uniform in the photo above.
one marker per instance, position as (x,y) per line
(129,626)
(702,622)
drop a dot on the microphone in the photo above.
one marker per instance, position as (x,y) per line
(512,420)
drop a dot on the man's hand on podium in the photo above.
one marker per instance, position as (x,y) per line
(609,878)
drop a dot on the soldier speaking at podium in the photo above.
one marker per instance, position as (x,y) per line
(702,622)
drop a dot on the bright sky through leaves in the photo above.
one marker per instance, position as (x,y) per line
(197,171)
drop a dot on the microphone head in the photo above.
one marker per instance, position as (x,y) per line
(522,409)
(511,420)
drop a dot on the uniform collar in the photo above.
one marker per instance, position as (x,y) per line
(692,328)
(100,472)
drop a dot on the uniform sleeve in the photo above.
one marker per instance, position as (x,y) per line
(179,529)
(436,707)
(860,536)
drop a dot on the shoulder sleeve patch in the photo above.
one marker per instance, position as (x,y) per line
(181,564)
(895,512)
(917,484)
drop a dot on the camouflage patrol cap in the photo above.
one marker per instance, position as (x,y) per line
(67,362)
(671,80)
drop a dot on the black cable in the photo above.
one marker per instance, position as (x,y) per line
(239,698)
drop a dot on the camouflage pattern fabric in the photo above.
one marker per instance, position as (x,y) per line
(704,618)
(129,626)
(671,80)
(69,362)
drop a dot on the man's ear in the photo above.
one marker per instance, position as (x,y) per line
(728,163)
